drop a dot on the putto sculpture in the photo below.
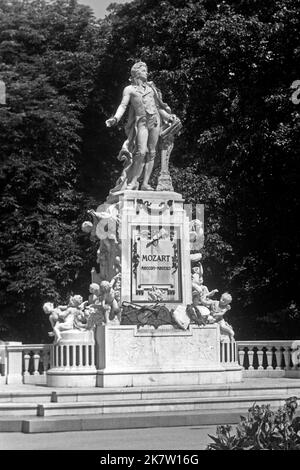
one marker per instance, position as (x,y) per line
(66,317)
(149,119)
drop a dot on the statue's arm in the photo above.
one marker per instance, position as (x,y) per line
(121,109)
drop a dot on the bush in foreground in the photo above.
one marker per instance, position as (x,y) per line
(263,429)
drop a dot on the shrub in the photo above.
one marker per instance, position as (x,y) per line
(262,430)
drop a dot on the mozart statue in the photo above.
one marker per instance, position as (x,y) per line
(148,116)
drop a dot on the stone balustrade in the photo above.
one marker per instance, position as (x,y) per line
(70,356)
(29,363)
(228,352)
(269,358)
(24,363)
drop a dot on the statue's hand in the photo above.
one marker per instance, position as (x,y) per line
(111,122)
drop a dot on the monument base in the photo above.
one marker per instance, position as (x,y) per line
(73,360)
(132,357)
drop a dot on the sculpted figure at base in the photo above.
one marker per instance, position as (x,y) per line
(66,317)
(109,302)
(204,310)
(147,113)
(218,310)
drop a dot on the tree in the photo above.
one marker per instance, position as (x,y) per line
(47,65)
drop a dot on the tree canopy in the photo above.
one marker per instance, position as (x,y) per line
(226,69)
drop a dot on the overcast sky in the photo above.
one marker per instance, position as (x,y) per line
(99,6)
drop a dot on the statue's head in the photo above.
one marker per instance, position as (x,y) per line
(48,308)
(94,288)
(139,70)
(105,287)
(75,301)
(225,299)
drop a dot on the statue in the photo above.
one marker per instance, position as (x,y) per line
(109,302)
(218,310)
(198,313)
(197,286)
(148,115)
(66,317)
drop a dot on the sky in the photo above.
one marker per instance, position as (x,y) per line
(99,6)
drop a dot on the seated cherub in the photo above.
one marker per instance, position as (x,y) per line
(54,314)
(65,318)
(197,285)
(93,298)
(218,310)
(108,302)
(197,312)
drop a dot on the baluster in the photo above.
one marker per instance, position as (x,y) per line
(36,363)
(241,356)
(55,355)
(80,348)
(67,356)
(251,359)
(45,360)
(294,357)
(269,359)
(72,356)
(260,358)
(92,355)
(235,352)
(221,352)
(26,363)
(59,348)
(278,354)
(287,358)
(231,350)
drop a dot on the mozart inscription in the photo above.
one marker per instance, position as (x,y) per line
(156,273)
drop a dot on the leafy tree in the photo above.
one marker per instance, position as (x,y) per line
(47,64)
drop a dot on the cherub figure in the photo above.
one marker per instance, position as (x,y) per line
(197,312)
(109,302)
(218,310)
(65,318)
(197,286)
(54,314)
(94,290)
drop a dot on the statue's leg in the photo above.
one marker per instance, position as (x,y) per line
(152,143)
(140,154)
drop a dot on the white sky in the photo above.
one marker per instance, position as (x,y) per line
(99,6)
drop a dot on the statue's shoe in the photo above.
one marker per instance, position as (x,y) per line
(146,187)
(132,186)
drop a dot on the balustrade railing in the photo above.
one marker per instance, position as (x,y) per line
(228,352)
(268,358)
(36,362)
(29,363)
(24,363)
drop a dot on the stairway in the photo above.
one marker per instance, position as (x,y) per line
(39,409)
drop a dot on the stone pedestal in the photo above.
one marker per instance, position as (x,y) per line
(13,363)
(155,249)
(129,357)
(73,360)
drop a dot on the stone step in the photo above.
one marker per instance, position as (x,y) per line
(29,424)
(246,389)
(18,409)
(156,405)
(141,405)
